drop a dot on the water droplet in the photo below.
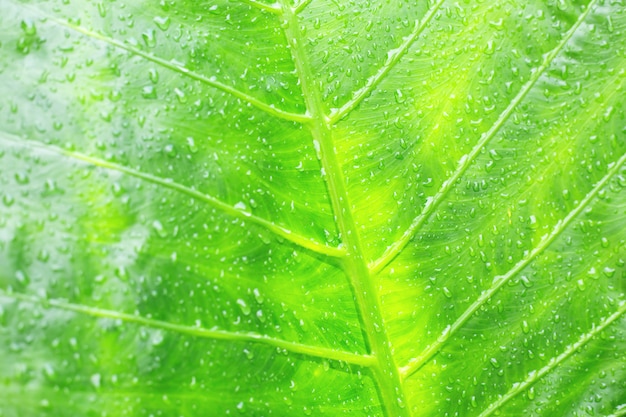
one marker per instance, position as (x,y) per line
(158,227)
(258,296)
(157,338)
(446,292)
(400,402)
(525,327)
(28,26)
(96,380)
(21,178)
(245,309)
(494,362)
(43,255)
(149,92)
(180,95)
(191,144)
(153,75)
(399,97)
(149,38)
(241,206)
(8,200)
(608,271)
(525,281)
(493,154)
(162,23)
(102,11)
(169,150)
(490,48)
(21,277)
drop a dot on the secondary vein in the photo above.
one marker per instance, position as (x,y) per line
(396,248)
(535,375)
(216,334)
(182,70)
(393,57)
(365,295)
(300,7)
(415,364)
(226,208)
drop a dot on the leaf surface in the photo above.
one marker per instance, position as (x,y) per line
(323,208)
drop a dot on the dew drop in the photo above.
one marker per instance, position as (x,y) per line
(158,227)
(149,38)
(258,296)
(28,26)
(608,271)
(149,92)
(162,23)
(191,144)
(245,309)
(96,380)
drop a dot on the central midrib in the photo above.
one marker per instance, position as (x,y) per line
(385,371)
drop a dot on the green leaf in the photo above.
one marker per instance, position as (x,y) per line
(365,208)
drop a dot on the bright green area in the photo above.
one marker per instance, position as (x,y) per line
(362,208)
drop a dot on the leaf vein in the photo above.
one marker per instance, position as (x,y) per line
(397,247)
(415,364)
(393,57)
(300,7)
(182,70)
(366,299)
(228,209)
(214,334)
(553,363)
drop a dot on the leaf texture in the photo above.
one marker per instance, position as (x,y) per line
(364,208)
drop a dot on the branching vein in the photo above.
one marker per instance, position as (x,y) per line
(306,350)
(415,364)
(364,291)
(395,249)
(534,376)
(182,70)
(230,210)
(393,57)
(300,7)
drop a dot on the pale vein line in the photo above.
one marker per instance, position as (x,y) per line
(416,363)
(553,363)
(215,334)
(230,210)
(300,7)
(181,69)
(433,202)
(272,8)
(366,299)
(393,57)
